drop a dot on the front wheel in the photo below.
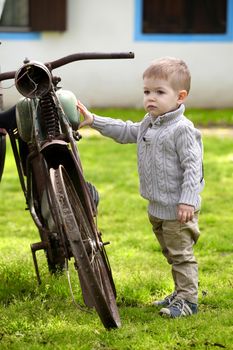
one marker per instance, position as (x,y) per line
(87,250)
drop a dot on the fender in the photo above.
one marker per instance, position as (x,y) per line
(56,153)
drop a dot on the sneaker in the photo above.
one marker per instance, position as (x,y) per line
(179,308)
(166,301)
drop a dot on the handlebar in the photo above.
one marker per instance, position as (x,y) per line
(75,57)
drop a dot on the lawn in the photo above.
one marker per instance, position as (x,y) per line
(207,117)
(44,317)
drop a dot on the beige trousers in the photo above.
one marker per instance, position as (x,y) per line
(176,241)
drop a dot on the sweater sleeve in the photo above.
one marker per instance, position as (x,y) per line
(120,131)
(189,150)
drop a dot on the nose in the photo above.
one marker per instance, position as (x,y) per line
(152,97)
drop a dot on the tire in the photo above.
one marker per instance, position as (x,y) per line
(55,253)
(2,153)
(43,211)
(87,250)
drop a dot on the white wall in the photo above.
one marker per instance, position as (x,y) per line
(108,26)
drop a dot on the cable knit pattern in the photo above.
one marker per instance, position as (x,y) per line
(169,159)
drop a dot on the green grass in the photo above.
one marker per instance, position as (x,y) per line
(201,117)
(44,317)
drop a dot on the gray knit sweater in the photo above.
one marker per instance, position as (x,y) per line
(169,158)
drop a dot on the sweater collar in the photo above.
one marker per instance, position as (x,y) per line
(169,117)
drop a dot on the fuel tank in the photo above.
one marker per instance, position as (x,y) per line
(69,102)
(24,118)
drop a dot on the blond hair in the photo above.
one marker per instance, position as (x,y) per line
(171,69)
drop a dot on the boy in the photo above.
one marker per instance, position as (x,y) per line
(169,152)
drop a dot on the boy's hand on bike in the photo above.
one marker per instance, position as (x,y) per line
(88,116)
(185,213)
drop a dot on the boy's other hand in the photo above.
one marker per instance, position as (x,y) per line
(185,213)
(88,116)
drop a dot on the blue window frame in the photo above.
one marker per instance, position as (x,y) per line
(26,19)
(140,36)
(20,36)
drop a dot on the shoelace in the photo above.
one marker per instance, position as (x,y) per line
(182,306)
(170,297)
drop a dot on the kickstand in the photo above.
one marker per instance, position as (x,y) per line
(34,248)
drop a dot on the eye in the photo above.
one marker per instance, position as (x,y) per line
(146,92)
(160,92)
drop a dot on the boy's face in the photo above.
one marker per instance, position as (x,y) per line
(160,97)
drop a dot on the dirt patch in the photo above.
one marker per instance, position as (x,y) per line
(220,132)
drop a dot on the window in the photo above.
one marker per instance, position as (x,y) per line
(32,15)
(14,14)
(188,20)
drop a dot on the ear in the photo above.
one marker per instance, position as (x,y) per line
(182,96)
